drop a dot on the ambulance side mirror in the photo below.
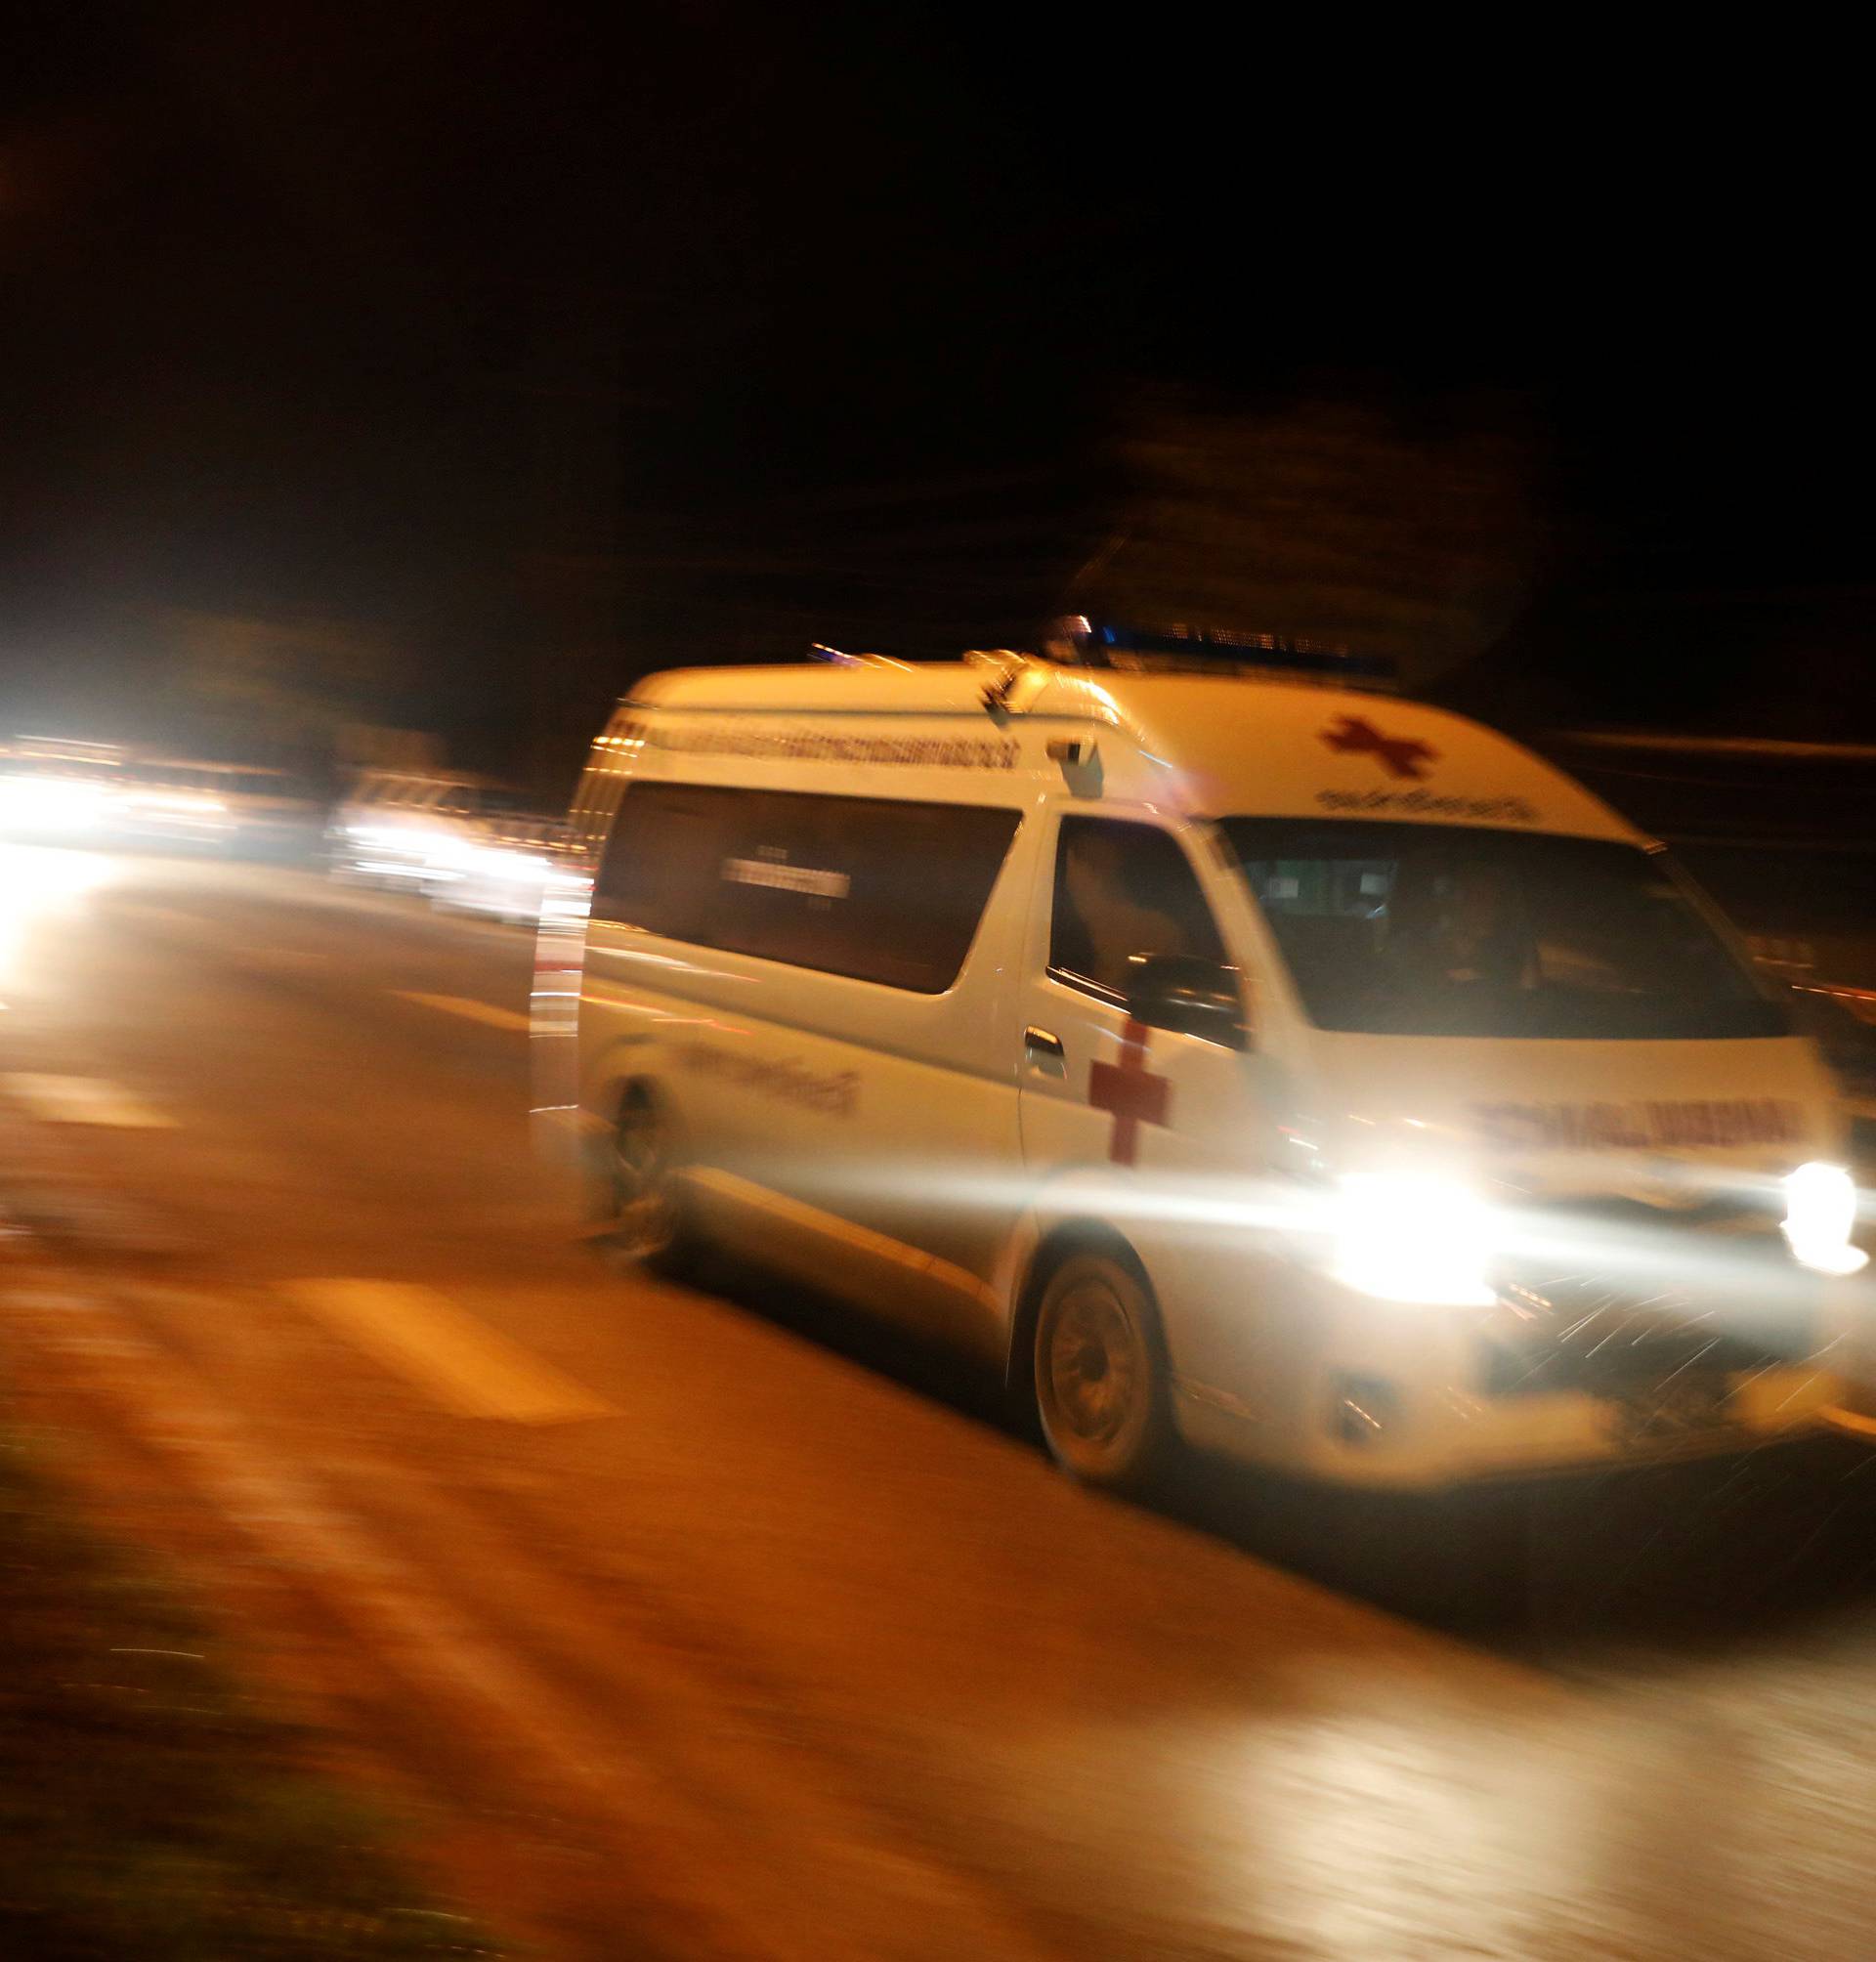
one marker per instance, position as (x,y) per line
(1189,997)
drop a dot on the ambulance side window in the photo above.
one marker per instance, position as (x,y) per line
(866,887)
(661,867)
(1124,889)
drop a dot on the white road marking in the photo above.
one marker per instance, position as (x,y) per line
(459,1360)
(83,1100)
(472,1011)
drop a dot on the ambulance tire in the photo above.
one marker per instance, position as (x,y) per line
(650,1231)
(1100,1372)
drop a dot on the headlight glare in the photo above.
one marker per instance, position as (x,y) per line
(1821,1214)
(1405,1236)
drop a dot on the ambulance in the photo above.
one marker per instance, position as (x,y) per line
(1226,1049)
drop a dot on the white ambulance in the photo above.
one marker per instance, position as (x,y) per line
(1230,1055)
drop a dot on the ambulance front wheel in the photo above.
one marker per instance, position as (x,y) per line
(1101,1374)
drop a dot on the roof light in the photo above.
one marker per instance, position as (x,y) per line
(1080,642)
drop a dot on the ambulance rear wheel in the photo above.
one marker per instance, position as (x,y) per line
(1099,1374)
(649,1227)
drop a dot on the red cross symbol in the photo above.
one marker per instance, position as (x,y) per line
(1399,756)
(1132,1094)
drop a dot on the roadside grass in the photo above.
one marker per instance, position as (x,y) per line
(149,1808)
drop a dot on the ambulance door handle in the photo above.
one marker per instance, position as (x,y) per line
(1045,1053)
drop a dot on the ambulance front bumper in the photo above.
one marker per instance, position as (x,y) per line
(1849,1422)
(1589,1373)
(1451,1440)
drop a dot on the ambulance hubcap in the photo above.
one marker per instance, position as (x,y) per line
(1095,1361)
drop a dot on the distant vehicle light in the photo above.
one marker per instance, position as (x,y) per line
(503,861)
(176,801)
(392,836)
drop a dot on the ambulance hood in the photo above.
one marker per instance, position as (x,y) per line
(1664,1122)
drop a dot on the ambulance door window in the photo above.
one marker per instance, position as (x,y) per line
(1122,890)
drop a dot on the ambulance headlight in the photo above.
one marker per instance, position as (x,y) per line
(1408,1236)
(51,803)
(1821,1214)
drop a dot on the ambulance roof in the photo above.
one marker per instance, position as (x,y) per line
(1217,745)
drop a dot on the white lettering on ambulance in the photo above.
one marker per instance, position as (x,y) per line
(834,1095)
(1428,803)
(1640,1126)
(787,877)
(819,746)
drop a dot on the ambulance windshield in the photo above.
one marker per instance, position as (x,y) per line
(1431,930)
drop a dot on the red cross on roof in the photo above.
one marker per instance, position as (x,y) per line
(1399,755)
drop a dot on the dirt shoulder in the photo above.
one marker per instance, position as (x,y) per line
(149,1805)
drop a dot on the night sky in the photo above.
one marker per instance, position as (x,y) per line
(514,350)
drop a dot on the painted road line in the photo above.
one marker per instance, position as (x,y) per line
(461,1361)
(83,1100)
(286,958)
(472,1011)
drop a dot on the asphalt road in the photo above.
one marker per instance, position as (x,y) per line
(699,1625)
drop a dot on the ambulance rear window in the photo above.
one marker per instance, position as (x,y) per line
(1433,930)
(863,886)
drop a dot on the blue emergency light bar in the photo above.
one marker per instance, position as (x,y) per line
(1083,642)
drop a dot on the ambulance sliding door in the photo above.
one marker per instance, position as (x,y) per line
(843,1056)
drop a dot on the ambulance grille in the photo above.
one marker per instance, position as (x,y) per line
(1659,1296)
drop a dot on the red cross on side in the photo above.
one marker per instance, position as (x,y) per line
(1399,755)
(1131,1093)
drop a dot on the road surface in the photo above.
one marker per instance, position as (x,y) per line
(685,1625)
